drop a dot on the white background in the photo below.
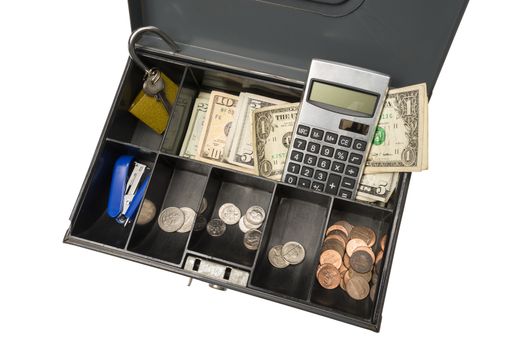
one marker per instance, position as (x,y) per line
(457,273)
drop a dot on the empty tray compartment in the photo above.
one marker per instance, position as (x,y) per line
(379,220)
(175,183)
(124,126)
(90,220)
(296,215)
(244,191)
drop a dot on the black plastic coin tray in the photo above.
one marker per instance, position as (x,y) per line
(292,214)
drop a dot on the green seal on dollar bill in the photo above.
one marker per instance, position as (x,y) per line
(380,136)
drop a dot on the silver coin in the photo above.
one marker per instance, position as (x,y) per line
(203,206)
(147,213)
(293,252)
(252,239)
(245,226)
(275,257)
(200,223)
(171,219)
(189,219)
(216,227)
(229,213)
(255,215)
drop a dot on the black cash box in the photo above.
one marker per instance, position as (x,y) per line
(264,47)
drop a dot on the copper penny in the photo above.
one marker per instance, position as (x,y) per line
(364,233)
(328,276)
(331,257)
(374,277)
(337,235)
(378,258)
(343,280)
(362,259)
(341,225)
(345,260)
(357,288)
(342,269)
(383,242)
(373,292)
(354,244)
(367,276)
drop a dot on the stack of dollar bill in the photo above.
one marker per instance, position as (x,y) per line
(252,134)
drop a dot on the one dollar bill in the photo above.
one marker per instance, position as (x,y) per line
(272,131)
(196,123)
(400,143)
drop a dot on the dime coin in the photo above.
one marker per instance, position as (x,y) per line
(255,215)
(354,244)
(362,259)
(364,233)
(200,223)
(216,227)
(275,257)
(357,288)
(147,212)
(367,276)
(229,213)
(252,239)
(293,252)
(189,219)
(383,242)
(203,206)
(171,219)
(328,276)
(245,226)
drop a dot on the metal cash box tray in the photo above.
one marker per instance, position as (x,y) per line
(216,57)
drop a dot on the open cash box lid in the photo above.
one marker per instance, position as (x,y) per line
(407,39)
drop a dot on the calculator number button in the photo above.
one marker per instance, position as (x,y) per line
(313,147)
(332,184)
(355,158)
(341,155)
(327,151)
(304,183)
(344,141)
(331,137)
(293,168)
(359,145)
(351,170)
(299,144)
(324,163)
(297,156)
(338,167)
(317,134)
(291,180)
(303,130)
(317,187)
(310,160)
(306,171)
(320,175)
(348,182)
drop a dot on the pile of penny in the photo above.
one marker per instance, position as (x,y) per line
(347,259)
(289,253)
(230,214)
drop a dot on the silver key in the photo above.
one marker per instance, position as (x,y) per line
(154,86)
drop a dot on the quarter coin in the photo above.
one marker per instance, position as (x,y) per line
(229,213)
(252,239)
(189,219)
(357,288)
(293,252)
(275,257)
(171,219)
(216,227)
(245,226)
(147,212)
(328,276)
(255,215)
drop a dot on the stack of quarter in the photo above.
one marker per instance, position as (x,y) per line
(347,260)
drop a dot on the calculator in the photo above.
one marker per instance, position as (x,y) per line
(339,112)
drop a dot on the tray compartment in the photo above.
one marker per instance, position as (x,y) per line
(296,215)
(380,221)
(90,221)
(225,186)
(175,183)
(126,127)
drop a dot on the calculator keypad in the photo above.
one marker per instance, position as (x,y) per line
(324,161)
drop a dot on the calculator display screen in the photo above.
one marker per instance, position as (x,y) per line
(343,97)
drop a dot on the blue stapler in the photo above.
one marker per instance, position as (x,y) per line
(127,190)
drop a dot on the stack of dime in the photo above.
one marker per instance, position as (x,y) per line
(290,253)
(347,259)
(173,219)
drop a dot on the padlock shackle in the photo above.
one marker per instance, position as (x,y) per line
(137,34)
